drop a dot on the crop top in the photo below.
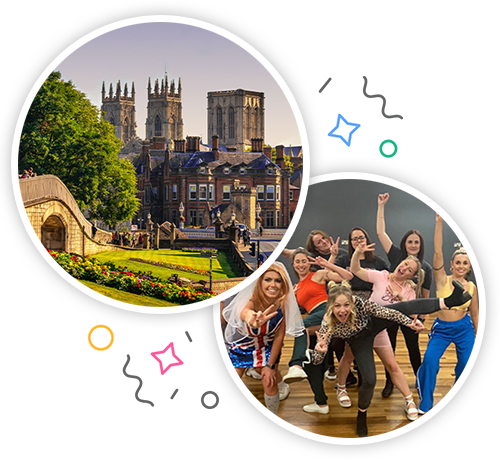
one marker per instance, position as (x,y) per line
(447,289)
(310,293)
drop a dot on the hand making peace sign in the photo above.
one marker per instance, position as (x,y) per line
(259,318)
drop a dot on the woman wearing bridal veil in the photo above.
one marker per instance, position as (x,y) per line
(258,319)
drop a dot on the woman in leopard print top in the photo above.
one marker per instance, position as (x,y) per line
(358,321)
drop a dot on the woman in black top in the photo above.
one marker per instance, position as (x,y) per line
(369,260)
(412,243)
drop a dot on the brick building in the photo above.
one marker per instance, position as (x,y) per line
(199,184)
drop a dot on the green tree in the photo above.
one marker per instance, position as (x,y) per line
(64,135)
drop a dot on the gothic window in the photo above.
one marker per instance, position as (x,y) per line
(219,122)
(126,129)
(231,123)
(157,126)
(247,123)
(256,123)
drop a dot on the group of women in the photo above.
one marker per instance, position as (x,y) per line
(353,304)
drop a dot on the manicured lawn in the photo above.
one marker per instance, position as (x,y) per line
(126,297)
(221,268)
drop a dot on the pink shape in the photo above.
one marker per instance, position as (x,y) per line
(165,357)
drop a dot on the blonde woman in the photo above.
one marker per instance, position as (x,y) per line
(311,295)
(258,319)
(390,288)
(458,326)
(358,321)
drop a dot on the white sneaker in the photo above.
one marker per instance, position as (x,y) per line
(251,372)
(315,408)
(330,375)
(283,391)
(295,374)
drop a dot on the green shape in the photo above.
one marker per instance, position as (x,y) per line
(384,144)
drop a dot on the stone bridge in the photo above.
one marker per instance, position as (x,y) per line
(57,219)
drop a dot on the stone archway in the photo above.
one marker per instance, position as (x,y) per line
(54,233)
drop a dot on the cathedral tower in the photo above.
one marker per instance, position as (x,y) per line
(119,109)
(235,116)
(164,116)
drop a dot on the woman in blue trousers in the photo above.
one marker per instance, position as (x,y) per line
(458,325)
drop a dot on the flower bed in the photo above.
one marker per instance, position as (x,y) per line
(110,275)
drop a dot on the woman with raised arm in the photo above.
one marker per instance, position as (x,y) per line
(390,288)
(368,260)
(319,244)
(458,326)
(311,295)
(412,243)
(358,321)
(258,319)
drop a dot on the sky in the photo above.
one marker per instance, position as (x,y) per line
(203,60)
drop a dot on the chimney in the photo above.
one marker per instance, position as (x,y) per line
(166,163)
(145,146)
(268,152)
(280,156)
(257,144)
(193,143)
(158,143)
(179,145)
(215,146)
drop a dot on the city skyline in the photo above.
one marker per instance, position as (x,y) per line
(203,60)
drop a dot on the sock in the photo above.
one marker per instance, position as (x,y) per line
(272,402)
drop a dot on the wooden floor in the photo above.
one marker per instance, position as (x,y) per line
(384,414)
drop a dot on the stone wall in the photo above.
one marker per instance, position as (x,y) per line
(74,238)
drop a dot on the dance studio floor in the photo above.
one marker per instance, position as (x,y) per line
(384,414)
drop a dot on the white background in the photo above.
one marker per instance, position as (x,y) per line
(437,65)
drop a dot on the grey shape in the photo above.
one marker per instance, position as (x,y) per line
(381,97)
(190,338)
(126,384)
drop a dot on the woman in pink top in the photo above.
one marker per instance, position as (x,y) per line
(389,288)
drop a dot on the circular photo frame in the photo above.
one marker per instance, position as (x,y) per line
(82,38)
(355,204)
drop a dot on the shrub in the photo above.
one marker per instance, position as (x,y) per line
(141,283)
